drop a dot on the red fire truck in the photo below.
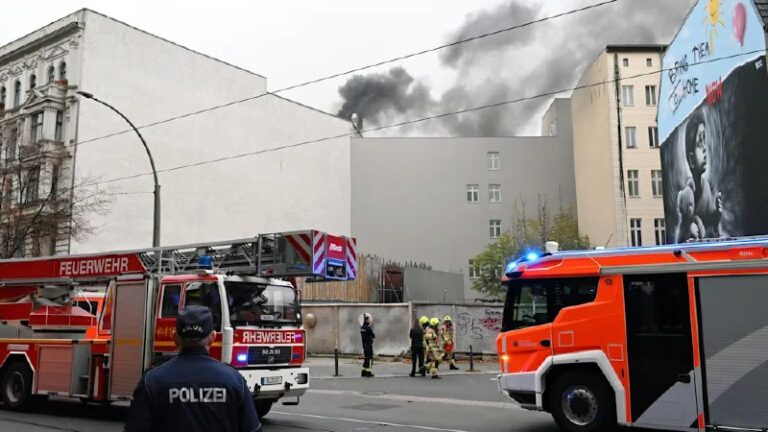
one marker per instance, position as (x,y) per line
(88,326)
(669,337)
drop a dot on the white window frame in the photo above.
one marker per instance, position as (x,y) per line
(494,161)
(494,226)
(494,193)
(660,229)
(636,232)
(653,136)
(630,136)
(473,193)
(36,129)
(650,96)
(657,184)
(633,183)
(628,95)
(473,272)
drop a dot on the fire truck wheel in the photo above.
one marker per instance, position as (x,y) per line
(581,401)
(16,387)
(263,407)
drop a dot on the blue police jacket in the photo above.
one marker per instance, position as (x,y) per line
(192,392)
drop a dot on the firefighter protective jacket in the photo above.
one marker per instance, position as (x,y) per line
(193,392)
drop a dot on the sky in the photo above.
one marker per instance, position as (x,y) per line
(292,41)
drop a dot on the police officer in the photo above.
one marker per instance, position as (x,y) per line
(366,333)
(447,336)
(193,392)
(417,346)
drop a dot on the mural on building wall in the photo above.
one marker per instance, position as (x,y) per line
(712,116)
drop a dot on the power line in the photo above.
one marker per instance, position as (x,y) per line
(351,71)
(428,118)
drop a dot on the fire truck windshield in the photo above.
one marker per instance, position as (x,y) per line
(532,302)
(251,303)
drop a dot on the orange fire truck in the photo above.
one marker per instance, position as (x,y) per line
(671,337)
(88,326)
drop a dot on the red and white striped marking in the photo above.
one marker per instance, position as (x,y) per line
(351,258)
(318,258)
(302,243)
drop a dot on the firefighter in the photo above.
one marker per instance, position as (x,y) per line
(366,333)
(432,343)
(447,335)
(193,392)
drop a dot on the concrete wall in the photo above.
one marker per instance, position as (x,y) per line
(337,325)
(409,195)
(150,79)
(432,285)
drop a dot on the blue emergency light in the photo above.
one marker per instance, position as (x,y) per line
(205,262)
(242,358)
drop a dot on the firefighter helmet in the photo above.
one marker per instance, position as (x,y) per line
(423,320)
(447,319)
(434,322)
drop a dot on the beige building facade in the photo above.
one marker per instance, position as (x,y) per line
(616,148)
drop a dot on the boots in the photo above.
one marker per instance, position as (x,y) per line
(453,367)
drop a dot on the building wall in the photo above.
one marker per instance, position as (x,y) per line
(409,195)
(150,79)
(600,154)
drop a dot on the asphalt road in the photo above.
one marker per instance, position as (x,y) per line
(391,402)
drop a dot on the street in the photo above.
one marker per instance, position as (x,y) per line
(392,401)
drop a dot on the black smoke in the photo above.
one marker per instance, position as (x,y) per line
(515,64)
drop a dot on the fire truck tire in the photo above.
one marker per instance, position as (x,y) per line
(16,387)
(581,401)
(263,407)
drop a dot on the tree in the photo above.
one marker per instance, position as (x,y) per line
(526,234)
(35,212)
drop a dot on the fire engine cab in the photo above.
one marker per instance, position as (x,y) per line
(671,337)
(88,326)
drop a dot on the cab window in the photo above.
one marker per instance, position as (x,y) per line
(205,294)
(532,302)
(170,305)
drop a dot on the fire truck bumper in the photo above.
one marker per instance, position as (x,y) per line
(522,389)
(274,384)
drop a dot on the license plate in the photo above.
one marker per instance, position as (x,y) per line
(273,380)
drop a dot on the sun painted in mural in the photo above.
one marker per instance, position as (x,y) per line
(712,20)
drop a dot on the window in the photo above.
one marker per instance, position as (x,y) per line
(473,193)
(660,227)
(650,95)
(59,124)
(631,137)
(205,294)
(628,95)
(473,273)
(494,193)
(62,71)
(635,230)
(11,147)
(2,96)
(656,183)
(33,182)
(538,301)
(16,94)
(37,127)
(54,181)
(649,62)
(626,62)
(170,307)
(494,162)
(495,228)
(51,74)
(633,183)
(653,137)
(32,81)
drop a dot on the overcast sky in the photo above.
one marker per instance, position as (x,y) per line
(291,41)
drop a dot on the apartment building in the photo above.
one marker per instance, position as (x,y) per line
(617,164)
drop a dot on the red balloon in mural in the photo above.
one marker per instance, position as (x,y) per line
(739,22)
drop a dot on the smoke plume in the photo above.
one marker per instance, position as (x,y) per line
(515,64)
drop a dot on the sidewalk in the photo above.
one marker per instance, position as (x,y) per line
(323,368)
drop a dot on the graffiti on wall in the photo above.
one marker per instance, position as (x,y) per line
(478,326)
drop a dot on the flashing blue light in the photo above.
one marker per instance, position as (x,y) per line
(242,358)
(205,262)
(511,267)
(531,256)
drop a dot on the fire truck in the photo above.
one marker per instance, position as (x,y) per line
(88,326)
(670,337)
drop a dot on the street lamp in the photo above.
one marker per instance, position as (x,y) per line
(156,227)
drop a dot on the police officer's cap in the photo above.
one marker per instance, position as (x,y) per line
(194,322)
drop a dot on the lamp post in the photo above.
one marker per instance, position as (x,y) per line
(156,226)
